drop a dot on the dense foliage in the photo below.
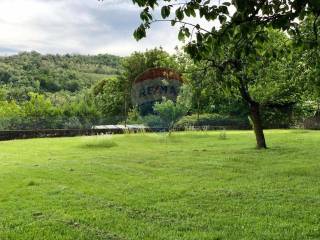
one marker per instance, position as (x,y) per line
(283,81)
(25,72)
(236,40)
(51,91)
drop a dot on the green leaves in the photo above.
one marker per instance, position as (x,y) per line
(165,11)
(145,16)
(183,33)
(170,112)
(194,50)
(145,3)
(249,18)
(179,14)
(223,9)
(140,32)
(190,11)
(222,19)
(199,37)
(282,22)
(240,5)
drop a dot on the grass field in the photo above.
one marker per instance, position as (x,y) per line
(187,186)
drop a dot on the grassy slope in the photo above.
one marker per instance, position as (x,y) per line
(188,186)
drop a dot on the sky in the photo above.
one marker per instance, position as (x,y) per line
(77,26)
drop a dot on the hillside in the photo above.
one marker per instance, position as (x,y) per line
(33,72)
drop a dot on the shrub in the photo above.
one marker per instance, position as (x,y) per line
(215,120)
(73,123)
(153,121)
(277,118)
(170,113)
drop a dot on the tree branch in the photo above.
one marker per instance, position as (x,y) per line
(197,26)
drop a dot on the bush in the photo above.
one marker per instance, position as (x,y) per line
(153,121)
(170,112)
(150,120)
(73,123)
(274,118)
(215,120)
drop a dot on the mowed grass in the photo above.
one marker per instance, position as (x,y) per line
(187,186)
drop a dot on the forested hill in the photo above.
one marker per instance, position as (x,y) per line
(32,72)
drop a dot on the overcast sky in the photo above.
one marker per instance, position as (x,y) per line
(76,26)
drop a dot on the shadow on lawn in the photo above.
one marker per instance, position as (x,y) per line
(98,142)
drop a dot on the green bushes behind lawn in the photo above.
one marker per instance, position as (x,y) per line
(214,120)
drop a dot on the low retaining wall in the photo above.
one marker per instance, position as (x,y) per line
(24,134)
(43,133)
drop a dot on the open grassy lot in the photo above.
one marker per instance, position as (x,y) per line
(187,186)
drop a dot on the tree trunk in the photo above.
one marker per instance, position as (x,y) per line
(257,125)
(255,114)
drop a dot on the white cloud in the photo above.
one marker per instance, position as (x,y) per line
(83,26)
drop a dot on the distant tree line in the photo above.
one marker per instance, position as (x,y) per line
(26,72)
(36,90)
(51,91)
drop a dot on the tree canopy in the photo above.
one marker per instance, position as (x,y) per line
(240,44)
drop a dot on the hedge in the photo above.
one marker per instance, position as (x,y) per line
(214,120)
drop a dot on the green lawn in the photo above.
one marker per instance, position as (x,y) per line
(187,186)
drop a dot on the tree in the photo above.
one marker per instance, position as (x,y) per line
(237,42)
(134,65)
(109,98)
(171,112)
(307,62)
